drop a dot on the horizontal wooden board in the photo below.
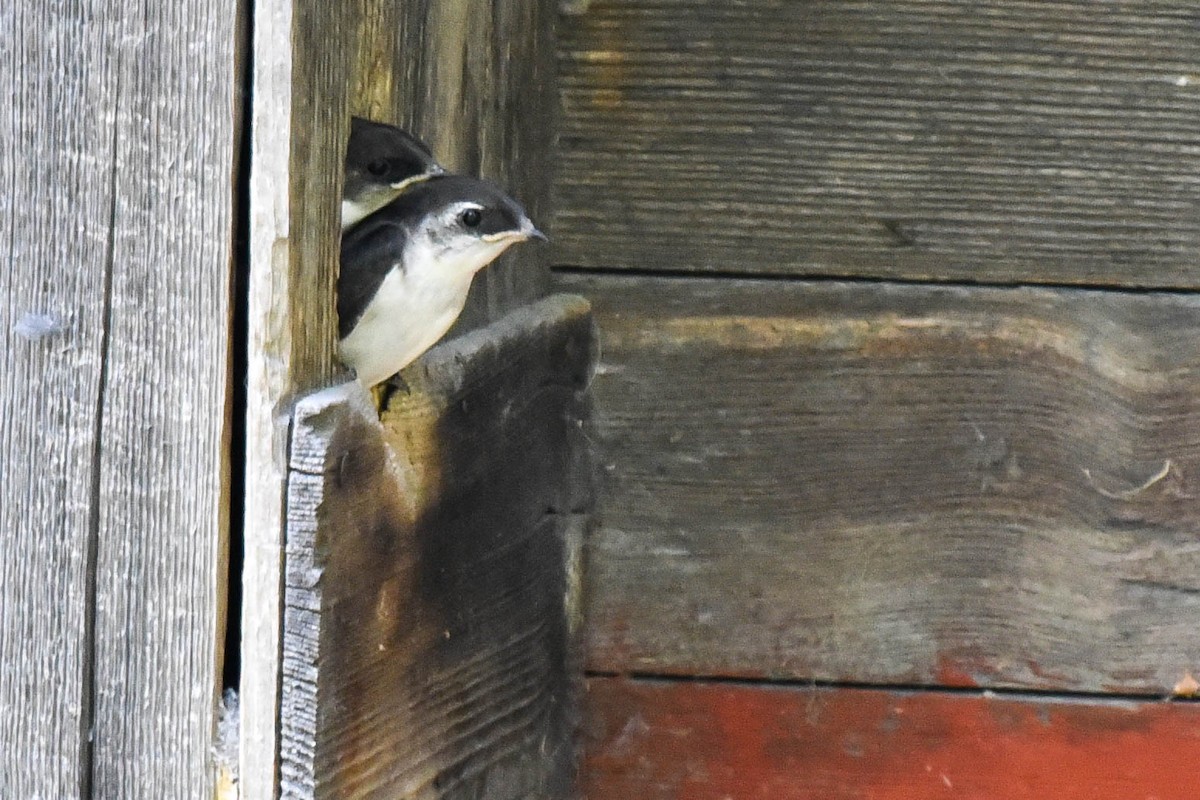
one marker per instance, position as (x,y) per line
(1009,141)
(891,483)
(662,741)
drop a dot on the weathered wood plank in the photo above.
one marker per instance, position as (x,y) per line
(162,492)
(886,483)
(1017,141)
(56,167)
(301,65)
(477,81)
(663,741)
(432,580)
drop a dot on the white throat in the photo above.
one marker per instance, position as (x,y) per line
(415,305)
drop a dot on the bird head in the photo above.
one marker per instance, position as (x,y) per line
(381,162)
(467,223)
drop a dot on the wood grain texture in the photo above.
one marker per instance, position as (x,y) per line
(1012,141)
(898,484)
(477,81)
(163,500)
(56,202)
(432,572)
(301,65)
(662,741)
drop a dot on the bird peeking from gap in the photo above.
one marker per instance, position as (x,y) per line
(381,162)
(406,269)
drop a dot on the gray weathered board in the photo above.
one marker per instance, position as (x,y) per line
(476,79)
(1005,141)
(896,484)
(116,161)
(432,579)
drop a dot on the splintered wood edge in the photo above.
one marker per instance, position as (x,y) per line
(317,418)
(317,415)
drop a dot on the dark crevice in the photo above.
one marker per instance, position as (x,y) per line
(238,348)
(87,717)
(1015,693)
(792,277)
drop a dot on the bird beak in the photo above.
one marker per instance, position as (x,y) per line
(525,233)
(530,232)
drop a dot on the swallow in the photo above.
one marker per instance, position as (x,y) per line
(406,269)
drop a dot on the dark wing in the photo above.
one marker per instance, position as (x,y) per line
(369,252)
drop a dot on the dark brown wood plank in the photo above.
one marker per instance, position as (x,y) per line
(1010,141)
(432,572)
(887,483)
(56,167)
(699,741)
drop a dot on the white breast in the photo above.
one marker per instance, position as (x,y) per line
(413,308)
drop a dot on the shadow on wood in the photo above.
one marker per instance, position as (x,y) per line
(431,597)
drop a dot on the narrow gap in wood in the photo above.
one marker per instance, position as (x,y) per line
(87,715)
(833,277)
(231,669)
(905,688)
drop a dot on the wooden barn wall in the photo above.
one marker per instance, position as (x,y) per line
(880,481)
(117,143)
(897,484)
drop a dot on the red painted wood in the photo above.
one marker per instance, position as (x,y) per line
(696,741)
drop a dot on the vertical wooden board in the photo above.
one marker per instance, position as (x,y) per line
(1011,141)
(896,484)
(431,601)
(299,122)
(699,741)
(58,80)
(163,493)
(478,82)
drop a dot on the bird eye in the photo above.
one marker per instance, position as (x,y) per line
(378,168)
(471,217)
